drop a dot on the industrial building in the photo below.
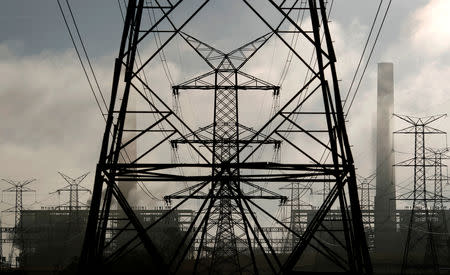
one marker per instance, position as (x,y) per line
(51,237)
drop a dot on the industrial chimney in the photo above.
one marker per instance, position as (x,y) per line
(385,205)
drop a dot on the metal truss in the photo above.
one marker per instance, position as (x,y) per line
(73,188)
(224,178)
(227,136)
(420,239)
(438,177)
(440,226)
(18,187)
(298,218)
(367,207)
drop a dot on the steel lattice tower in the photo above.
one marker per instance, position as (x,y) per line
(438,209)
(420,227)
(18,187)
(367,207)
(74,188)
(226,138)
(227,182)
(438,177)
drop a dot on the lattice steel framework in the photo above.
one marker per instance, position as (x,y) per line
(310,123)
(73,188)
(367,207)
(226,136)
(298,219)
(440,226)
(438,177)
(18,187)
(420,235)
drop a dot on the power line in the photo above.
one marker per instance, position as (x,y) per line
(362,76)
(146,191)
(79,58)
(86,54)
(368,59)
(364,51)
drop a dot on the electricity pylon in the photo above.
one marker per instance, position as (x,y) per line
(420,251)
(226,136)
(310,123)
(367,207)
(18,187)
(440,226)
(74,188)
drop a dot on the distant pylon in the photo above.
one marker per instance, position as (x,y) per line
(74,188)
(420,237)
(18,187)
(439,178)
(440,226)
(367,207)
(228,135)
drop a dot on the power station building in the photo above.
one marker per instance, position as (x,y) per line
(52,236)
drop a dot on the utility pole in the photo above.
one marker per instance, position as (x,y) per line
(420,235)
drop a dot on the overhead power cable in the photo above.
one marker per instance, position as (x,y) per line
(80,59)
(370,56)
(326,153)
(365,67)
(86,54)
(146,191)
(152,19)
(363,52)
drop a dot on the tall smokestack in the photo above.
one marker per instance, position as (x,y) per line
(385,205)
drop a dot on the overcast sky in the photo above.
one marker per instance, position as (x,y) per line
(50,121)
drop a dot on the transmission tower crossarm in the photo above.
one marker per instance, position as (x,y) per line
(233,60)
(269,194)
(205,51)
(419,120)
(18,183)
(244,53)
(247,82)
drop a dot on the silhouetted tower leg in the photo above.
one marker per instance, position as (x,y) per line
(93,248)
